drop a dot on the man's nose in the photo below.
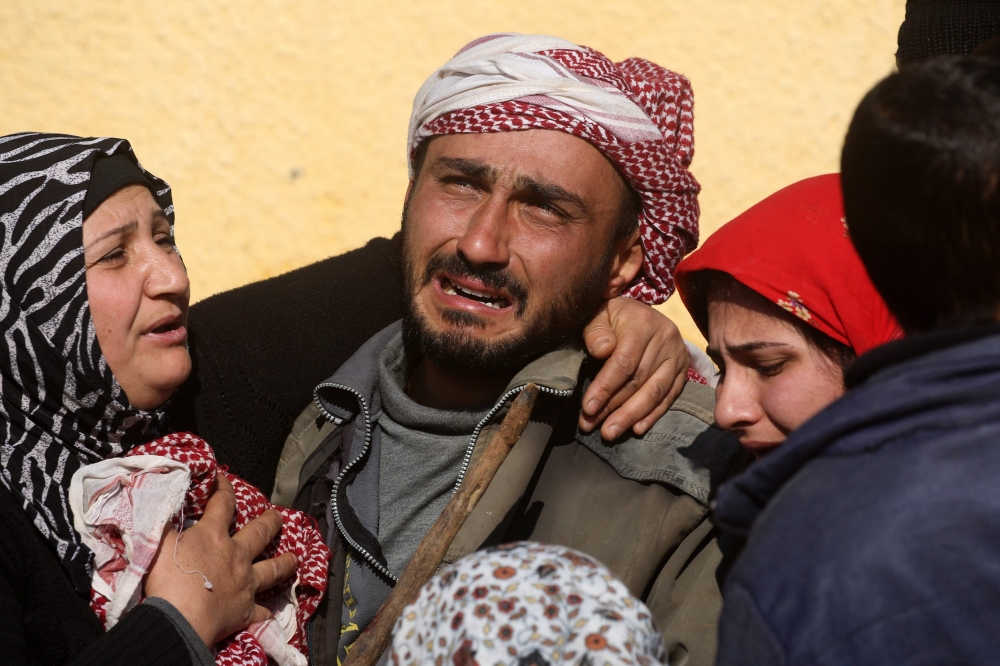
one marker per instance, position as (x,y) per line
(736,404)
(484,242)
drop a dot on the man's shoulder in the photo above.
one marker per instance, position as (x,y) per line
(683,449)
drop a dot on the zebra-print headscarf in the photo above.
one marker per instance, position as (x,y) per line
(60,406)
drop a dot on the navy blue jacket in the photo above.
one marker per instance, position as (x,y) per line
(876,527)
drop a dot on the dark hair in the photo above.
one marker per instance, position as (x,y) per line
(920,172)
(703,283)
(628,212)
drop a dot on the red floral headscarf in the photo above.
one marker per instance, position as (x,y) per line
(793,249)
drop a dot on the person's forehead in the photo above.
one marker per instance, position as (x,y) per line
(738,322)
(550,155)
(130,202)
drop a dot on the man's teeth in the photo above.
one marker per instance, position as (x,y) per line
(474,292)
(455,290)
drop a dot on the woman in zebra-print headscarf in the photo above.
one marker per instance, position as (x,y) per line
(93,314)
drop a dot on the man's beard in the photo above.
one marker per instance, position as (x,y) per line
(455,350)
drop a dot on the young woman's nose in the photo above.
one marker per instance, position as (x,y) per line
(736,404)
(485,239)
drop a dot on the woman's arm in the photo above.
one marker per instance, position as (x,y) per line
(44,620)
(260,350)
(645,367)
(148,634)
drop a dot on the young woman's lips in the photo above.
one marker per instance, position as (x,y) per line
(759,449)
(167,331)
(471,296)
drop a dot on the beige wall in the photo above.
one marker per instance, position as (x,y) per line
(282,124)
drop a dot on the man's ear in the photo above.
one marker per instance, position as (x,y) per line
(625,264)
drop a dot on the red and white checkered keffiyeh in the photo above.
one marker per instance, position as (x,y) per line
(637,113)
(121,506)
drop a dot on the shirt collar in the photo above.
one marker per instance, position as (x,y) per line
(913,346)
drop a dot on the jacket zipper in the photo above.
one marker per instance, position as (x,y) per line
(336,486)
(364,449)
(475,433)
(309,639)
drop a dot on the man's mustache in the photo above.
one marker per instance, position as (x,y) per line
(493,278)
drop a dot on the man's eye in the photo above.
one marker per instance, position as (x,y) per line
(548,209)
(165,241)
(459,181)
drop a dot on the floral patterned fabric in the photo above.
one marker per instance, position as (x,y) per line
(526,604)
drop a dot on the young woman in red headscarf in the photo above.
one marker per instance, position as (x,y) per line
(786,306)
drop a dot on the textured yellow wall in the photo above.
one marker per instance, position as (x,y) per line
(281,124)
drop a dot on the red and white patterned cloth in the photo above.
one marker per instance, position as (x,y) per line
(637,113)
(121,506)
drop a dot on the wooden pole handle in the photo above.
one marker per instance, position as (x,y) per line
(375,638)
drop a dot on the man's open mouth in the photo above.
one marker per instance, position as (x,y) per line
(495,301)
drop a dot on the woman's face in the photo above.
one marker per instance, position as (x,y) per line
(138,292)
(771,379)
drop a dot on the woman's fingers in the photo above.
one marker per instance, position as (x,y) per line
(599,336)
(221,505)
(636,390)
(643,374)
(258,533)
(647,405)
(637,340)
(271,572)
(640,377)
(260,614)
(226,561)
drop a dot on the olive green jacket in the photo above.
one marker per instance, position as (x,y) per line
(638,504)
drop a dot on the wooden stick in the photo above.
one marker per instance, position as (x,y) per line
(375,638)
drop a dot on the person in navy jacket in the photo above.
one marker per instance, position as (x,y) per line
(874,531)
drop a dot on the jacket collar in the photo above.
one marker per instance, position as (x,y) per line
(557,371)
(913,346)
(682,449)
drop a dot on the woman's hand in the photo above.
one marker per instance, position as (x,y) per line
(644,371)
(227,562)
